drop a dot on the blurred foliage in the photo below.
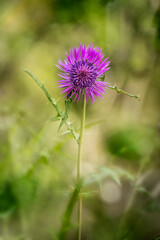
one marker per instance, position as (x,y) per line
(133,143)
(8,200)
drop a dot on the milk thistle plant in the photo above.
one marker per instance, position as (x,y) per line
(83,70)
(82,73)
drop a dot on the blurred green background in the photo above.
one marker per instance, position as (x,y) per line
(37,163)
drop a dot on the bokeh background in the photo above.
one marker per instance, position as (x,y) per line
(37,163)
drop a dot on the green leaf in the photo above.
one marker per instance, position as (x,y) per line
(41,85)
(112,172)
(109,172)
(65,115)
(55,105)
(124,173)
(103,78)
(118,90)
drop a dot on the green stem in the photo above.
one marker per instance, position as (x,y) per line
(65,226)
(79,167)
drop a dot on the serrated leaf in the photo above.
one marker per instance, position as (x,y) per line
(55,105)
(124,92)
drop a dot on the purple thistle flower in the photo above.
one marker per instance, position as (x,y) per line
(82,71)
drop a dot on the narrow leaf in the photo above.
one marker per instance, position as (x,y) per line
(118,90)
(65,115)
(56,118)
(55,105)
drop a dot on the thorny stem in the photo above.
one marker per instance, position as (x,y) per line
(79,167)
(124,92)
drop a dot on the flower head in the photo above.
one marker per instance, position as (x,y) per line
(82,72)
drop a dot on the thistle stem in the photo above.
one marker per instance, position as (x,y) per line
(79,167)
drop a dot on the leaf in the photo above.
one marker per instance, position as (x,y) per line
(103,78)
(112,172)
(124,173)
(118,90)
(68,102)
(65,115)
(55,105)
(109,172)
(41,85)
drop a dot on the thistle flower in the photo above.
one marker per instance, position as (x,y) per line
(82,72)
